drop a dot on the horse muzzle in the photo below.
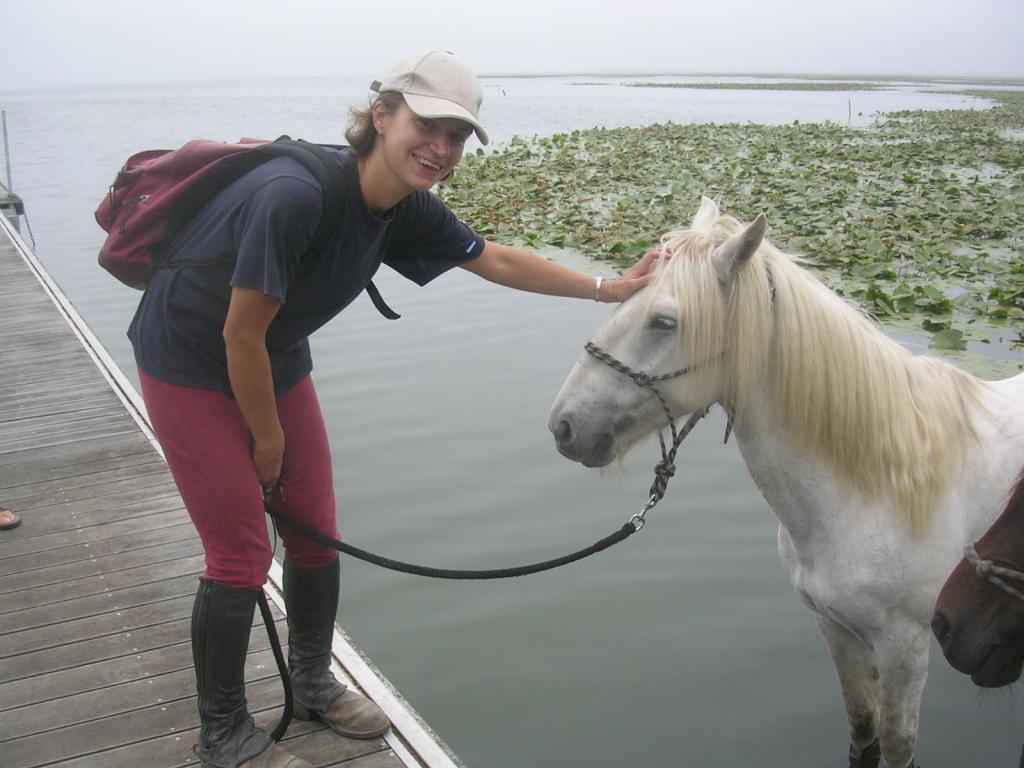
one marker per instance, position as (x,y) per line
(591,444)
(977,647)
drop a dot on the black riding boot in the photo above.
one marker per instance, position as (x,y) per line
(221,620)
(311,599)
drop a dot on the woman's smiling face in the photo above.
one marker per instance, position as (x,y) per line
(420,151)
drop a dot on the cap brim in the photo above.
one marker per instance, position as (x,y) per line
(432,106)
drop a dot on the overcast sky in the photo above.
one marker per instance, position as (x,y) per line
(48,43)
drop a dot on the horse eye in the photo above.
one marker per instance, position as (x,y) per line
(663,322)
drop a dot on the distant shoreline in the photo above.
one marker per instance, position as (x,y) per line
(1017,81)
(951,79)
(815,85)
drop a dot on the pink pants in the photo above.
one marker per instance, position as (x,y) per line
(206,442)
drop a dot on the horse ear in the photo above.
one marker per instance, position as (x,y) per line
(706,215)
(732,255)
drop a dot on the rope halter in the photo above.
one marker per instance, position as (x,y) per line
(665,469)
(993,573)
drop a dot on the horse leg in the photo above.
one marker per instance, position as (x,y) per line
(857,668)
(903,657)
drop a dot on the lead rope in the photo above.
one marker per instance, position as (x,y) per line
(991,572)
(282,667)
(663,472)
(627,530)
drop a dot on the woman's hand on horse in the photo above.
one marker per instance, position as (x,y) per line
(634,278)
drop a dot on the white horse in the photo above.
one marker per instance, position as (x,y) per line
(881,466)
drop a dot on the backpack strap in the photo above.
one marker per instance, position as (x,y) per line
(321,164)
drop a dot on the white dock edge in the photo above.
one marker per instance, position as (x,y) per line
(411,739)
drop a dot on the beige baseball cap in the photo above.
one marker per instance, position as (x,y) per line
(436,84)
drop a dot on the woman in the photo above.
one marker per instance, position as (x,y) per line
(220,338)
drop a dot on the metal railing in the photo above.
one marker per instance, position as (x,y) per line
(11,205)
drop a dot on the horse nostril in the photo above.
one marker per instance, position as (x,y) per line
(940,627)
(563,432)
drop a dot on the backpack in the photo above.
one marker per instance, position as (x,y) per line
(159,191)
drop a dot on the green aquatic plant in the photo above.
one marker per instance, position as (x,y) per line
(917,216)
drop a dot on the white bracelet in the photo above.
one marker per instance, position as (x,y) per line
(597,289)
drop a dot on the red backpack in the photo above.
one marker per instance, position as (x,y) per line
(159,191)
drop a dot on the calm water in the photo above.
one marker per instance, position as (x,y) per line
(684,646)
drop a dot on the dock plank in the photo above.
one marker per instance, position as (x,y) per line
(133,501)
(78,570)
(129,634)
(175,750)
(30,473)
(65,456)
(172,680)
(151,722)
(33,661)
(97,627)
(95,605)
(123,544)
(56,596)
(166,512)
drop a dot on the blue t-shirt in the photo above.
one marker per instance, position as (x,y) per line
(253,235)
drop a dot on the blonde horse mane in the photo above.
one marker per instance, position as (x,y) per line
(892,425)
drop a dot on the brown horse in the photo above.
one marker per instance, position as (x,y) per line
(979,617)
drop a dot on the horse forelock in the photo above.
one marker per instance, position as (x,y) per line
(689,277)
(892,426)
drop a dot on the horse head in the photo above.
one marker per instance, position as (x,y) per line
(673,331)
(978,623)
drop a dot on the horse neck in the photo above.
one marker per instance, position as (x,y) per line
(840,395)
(804,494)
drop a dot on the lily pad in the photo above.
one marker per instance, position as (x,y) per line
(950,338)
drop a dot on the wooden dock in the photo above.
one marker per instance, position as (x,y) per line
(99,579)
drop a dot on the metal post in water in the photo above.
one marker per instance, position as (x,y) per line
(7,151)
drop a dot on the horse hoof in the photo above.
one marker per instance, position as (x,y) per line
(869,758)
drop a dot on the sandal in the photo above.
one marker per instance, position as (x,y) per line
(8,519)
